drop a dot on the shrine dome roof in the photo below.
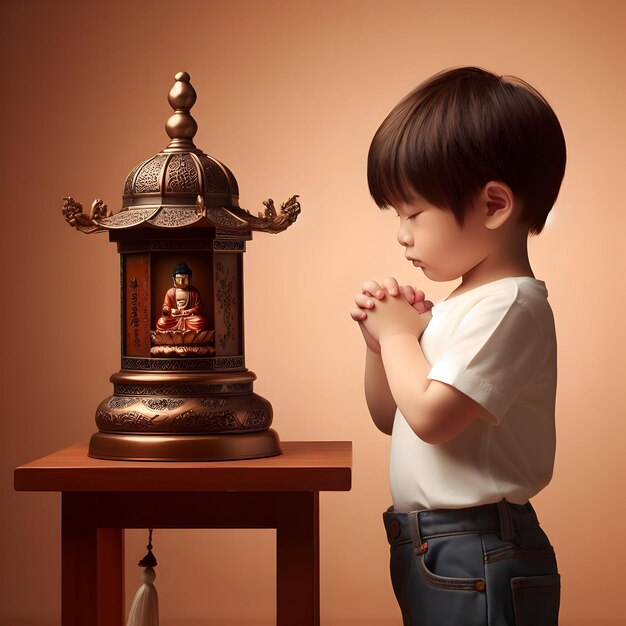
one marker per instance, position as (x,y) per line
(181,187)
(181,172)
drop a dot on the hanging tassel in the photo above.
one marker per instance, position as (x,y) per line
(144,611)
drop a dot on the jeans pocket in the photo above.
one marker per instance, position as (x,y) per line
(536,600)
(511,551)
(453,563)
(448,582)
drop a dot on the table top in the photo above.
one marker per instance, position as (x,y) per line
(303,466)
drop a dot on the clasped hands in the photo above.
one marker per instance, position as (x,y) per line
(390,309)
(176,312)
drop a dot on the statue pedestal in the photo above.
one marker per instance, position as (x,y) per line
(184,416)
(184,447)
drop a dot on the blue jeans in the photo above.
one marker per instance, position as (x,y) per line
(489,565)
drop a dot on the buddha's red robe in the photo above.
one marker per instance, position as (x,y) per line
(192,319)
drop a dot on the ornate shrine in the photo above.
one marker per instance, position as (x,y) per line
(183,391)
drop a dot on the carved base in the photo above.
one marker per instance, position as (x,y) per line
(184,416)
(184,447)
(187,415)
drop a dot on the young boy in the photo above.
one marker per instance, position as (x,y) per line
(472,163)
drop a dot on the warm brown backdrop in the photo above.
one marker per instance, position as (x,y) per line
(289,95)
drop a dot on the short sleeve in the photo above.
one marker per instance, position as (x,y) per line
(492,354)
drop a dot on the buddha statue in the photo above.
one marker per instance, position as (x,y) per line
(181,329)
(182,306)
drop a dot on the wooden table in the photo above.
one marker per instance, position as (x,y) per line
(102,498)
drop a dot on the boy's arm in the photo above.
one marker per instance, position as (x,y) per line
(436,412)
(380,402)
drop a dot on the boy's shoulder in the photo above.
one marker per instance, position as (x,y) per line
(516,296)
(523,290)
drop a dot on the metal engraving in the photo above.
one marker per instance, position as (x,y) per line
(216,180)
(237,246)
(162,404)
(222,217)
(185,415)
(256,419)
(167,365)
(128,185)
(181,390)
(226,301)
(181,175)
(129,218)
(122,403)
(175,217)
(148,178)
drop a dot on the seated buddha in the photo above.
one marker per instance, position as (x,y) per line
(182,306)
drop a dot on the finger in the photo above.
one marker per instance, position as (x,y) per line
(423,307)
(391,285)
(409,293)
(419,295)
(364,301)
(358,315)
(372,288)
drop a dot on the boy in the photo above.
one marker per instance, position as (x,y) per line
(472,164)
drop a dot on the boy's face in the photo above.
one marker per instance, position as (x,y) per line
(434,241)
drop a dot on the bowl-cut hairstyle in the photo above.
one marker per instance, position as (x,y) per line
(462,128)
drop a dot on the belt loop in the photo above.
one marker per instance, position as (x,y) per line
(506,520)
(418,545)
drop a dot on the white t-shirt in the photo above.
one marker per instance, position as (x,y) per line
(495,343)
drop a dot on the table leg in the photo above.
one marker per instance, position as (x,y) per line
(297,559)
(79,567)
(92,565)
(111,577)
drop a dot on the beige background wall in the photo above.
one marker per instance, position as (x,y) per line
(289,95)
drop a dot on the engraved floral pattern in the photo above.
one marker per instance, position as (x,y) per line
(130,217)
(173,217)
(213,403)
(128,185)
(163,404)
(216,181)
(226,301)
(148,178)
(257,419)
(221,217)
(182,175)
(122,403)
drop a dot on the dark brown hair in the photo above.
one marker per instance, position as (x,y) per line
(462,128)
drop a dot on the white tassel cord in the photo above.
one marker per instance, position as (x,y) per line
(144,610)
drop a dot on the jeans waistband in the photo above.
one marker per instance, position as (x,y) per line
(501,518)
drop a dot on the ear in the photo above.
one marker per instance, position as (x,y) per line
(498,204)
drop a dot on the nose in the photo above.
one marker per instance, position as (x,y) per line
(404,236)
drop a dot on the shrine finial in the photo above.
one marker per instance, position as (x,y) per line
(181,127)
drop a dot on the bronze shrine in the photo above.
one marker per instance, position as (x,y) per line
(183,391)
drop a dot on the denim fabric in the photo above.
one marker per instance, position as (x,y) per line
(488,565)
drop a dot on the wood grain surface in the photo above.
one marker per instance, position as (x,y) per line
(303,466)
